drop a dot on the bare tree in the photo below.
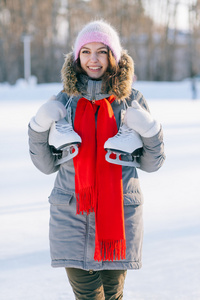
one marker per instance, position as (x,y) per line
(148,30)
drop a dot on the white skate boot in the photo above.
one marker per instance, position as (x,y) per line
(64,140)
(125,142)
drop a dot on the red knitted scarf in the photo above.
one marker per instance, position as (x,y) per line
(98,184)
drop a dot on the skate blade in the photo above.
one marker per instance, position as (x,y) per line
(72,151)
(66,146)
(118,161)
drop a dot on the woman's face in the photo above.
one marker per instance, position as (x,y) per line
(94,59)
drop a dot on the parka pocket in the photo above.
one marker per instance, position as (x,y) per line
(60,197)
(133,194)
(134,198)
(131,187)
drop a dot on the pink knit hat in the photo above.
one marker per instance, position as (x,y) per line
(98,31)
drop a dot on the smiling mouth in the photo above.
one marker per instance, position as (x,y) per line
(94,68)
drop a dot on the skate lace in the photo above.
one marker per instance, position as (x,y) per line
(64,128)
(124,130)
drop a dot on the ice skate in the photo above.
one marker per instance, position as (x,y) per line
(64,141)
(126,142)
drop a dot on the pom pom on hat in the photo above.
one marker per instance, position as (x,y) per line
(101,32)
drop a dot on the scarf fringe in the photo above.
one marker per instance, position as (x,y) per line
(110,250)
(85,201)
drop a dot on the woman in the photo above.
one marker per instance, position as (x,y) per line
(96,225)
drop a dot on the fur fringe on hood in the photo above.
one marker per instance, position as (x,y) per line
(121,88)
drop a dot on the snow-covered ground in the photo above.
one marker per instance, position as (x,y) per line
(171,251)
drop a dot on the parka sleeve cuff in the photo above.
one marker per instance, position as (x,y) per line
(41,136)
(153,131)
(153,155)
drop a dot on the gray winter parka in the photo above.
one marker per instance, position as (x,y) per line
(72,236)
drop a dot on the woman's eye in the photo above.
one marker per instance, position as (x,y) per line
(103,52)
(85,51)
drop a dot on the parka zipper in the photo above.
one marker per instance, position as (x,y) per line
(93,90)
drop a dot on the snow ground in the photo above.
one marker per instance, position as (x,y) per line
(171,260)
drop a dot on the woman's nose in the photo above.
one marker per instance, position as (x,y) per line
(93,57)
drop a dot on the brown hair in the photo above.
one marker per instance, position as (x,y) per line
(110,76)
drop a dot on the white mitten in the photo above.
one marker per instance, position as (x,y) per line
(51,111)
(141,120)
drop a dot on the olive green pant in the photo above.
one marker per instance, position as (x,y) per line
(97,285)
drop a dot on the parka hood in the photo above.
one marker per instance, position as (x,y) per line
(121,88)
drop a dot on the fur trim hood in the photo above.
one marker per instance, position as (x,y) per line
(121,88)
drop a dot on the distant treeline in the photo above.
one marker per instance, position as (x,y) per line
(149,33)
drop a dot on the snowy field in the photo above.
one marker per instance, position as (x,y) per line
(171,251)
